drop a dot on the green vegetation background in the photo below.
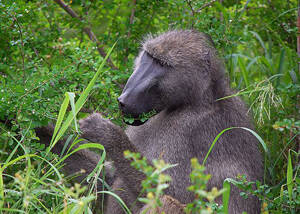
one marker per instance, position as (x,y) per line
(44,53)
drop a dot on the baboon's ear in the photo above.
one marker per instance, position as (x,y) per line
(209,39)
(207,59)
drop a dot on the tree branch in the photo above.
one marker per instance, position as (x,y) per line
(132,12)
(206,5)
(87,30)
(191,6)
(129,30)
(15,20)
(298,35)
(298,52)
(192,10)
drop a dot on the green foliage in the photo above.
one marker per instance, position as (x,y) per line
(155,181)
(40,188)
(30,198)
(277,199)
(288,124)
(205,201)
(45,53)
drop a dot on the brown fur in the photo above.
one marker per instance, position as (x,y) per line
(169,206)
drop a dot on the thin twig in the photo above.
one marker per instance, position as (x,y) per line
(221,14)
(88,31)
(206,5)
(21,39)
(131,16)
(298,35)
(67,9)
(131,19)
(189,2)
(298,51)
(132,12)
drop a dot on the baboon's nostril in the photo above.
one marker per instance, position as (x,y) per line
(121,103)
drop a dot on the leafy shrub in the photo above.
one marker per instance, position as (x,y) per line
(45,53)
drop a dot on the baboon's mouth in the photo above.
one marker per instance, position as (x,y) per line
(136,122)
(133,120)
(137,119)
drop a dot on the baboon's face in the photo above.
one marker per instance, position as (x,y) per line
(142,92)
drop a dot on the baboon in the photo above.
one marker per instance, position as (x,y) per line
(179,75)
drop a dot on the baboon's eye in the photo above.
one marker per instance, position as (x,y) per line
(160,62)
(153,88)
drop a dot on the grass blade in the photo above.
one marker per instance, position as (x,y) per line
(289,177)
(224,130)
(60,117)
(281,194)
(83,146)
(261,141)
(82,99)
(68,141)
(1,189)
(261,42)
(72,102)
(243,70)
(293,76)
(280,64)
(281,61)
(125,208)
(11,210)
(226,196)
(213,144)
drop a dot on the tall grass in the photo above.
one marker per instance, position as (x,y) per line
(267,80)
(40,187)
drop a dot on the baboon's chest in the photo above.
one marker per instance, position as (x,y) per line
(150,143)
(161,141)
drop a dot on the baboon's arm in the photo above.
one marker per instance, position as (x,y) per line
(99,130)
(81,162)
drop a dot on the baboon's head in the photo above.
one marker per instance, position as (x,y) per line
(174,69)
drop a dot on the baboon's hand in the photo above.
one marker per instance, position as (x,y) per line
(98,130)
